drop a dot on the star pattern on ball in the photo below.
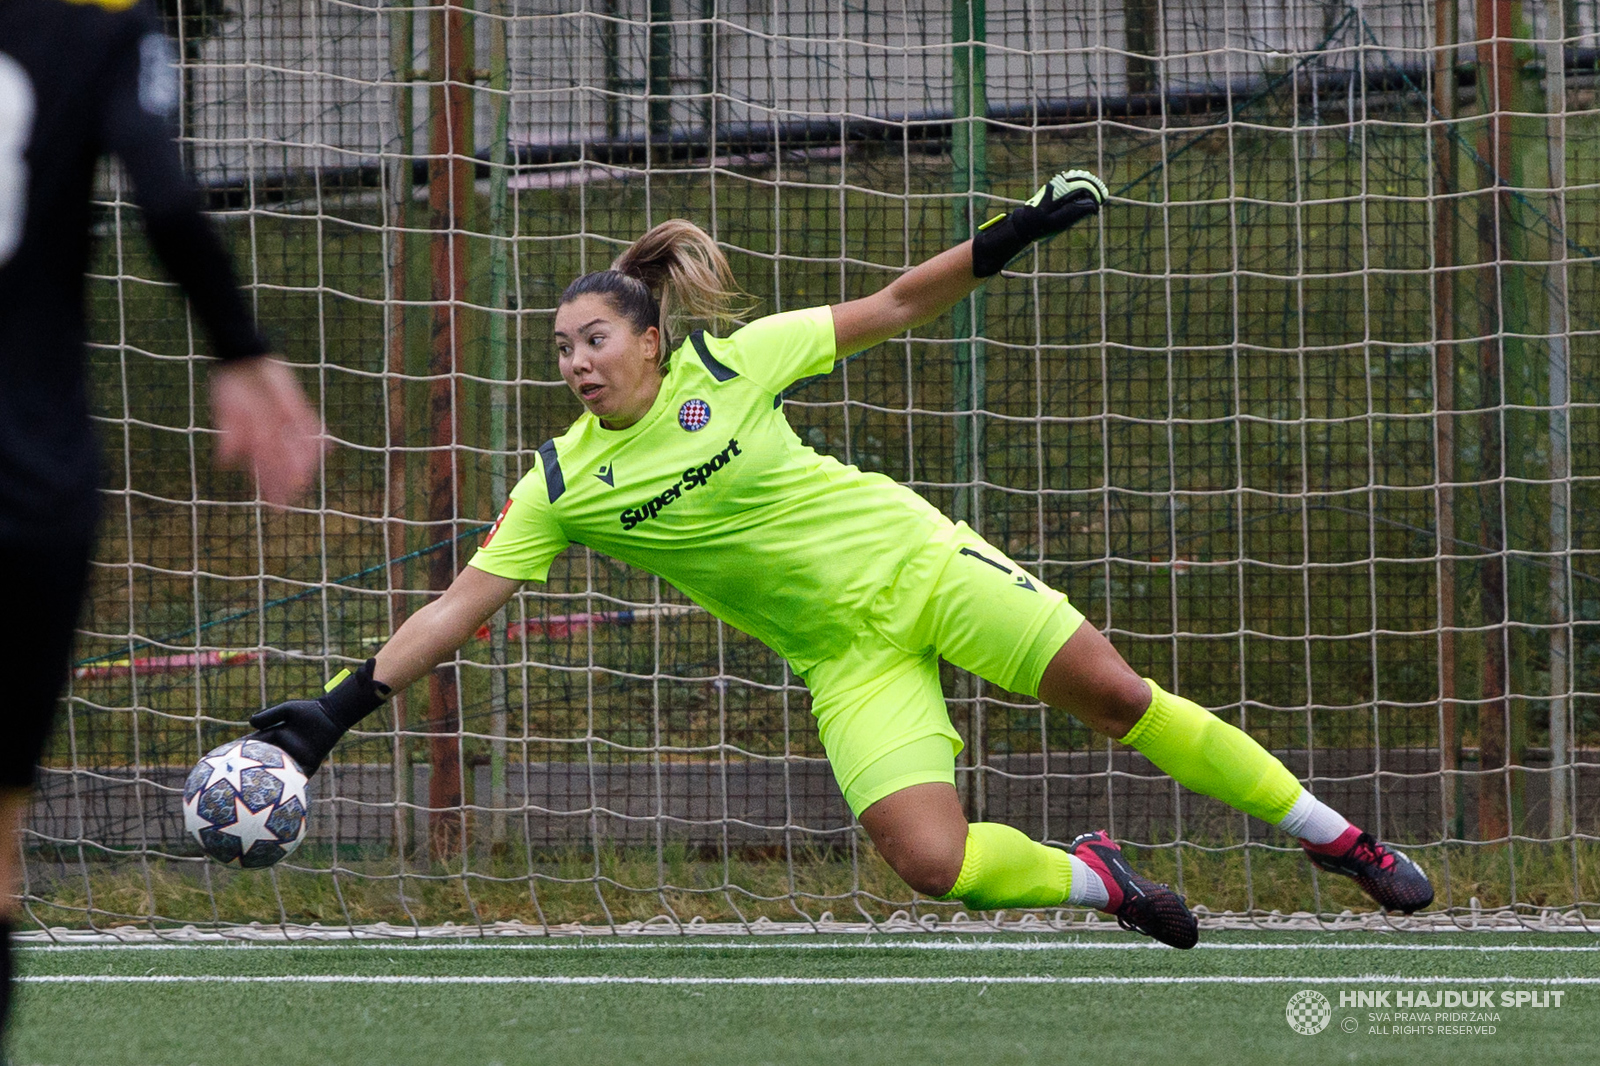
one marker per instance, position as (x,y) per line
(294,784)
(191,812)
(249,826)
(229,766)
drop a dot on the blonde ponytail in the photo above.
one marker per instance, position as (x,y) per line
(687,274)
(674,274)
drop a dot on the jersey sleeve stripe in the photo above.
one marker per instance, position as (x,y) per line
(554,483)
(718,370)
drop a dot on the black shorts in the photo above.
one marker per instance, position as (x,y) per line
(42,586)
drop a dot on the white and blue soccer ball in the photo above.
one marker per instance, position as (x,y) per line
(245,804)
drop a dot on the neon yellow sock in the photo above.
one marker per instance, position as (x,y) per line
(1003,868)
(1202,752)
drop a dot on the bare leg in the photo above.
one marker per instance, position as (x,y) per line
(922,833)
(1091,681)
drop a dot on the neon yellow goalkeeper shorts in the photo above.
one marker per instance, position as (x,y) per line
(879,706)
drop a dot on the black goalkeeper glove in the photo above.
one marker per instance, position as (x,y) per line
(1064,200)
(308,729)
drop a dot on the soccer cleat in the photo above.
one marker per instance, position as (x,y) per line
(1139,904)
(1390,877)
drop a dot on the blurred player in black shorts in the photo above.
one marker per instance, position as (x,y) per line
(79,79)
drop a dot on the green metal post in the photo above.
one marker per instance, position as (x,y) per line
(496,368)
(660,79)
(613,64)
(1527,366)
(708,72)
(1536,392)
(970,180)
(1143,32)
(1494,91)
(1514,383)
(1447,28)
(1559,394)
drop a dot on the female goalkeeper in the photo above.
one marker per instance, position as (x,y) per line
(684,465)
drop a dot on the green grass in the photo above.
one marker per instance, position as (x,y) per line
(1105,998)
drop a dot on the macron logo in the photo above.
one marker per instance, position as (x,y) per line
(607,474)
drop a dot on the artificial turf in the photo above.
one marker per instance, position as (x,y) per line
(989,1001)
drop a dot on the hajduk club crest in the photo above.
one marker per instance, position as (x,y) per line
(694,414)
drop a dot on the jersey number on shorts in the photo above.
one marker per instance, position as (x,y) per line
(16,126)
(1022,579)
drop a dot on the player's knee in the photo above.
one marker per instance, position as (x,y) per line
(1091,682)
(931,866)
(921,833)
(1113,706)
(1124,704)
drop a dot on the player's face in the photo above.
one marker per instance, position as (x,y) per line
(614,371)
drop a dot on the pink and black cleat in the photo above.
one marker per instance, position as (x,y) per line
(1390,877)
(1139,904)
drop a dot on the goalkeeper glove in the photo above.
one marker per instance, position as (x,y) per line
(308,729)
(1064,200)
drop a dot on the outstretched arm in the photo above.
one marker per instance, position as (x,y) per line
(916,297)
(308,729)
(433,634)
(931,288)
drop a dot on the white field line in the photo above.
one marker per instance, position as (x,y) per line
(688,944)
(446,979)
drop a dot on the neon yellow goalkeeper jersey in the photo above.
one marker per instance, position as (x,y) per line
(713,491)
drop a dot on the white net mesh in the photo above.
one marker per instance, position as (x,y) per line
(1307,424)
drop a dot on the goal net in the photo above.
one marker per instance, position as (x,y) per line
(1307,421)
